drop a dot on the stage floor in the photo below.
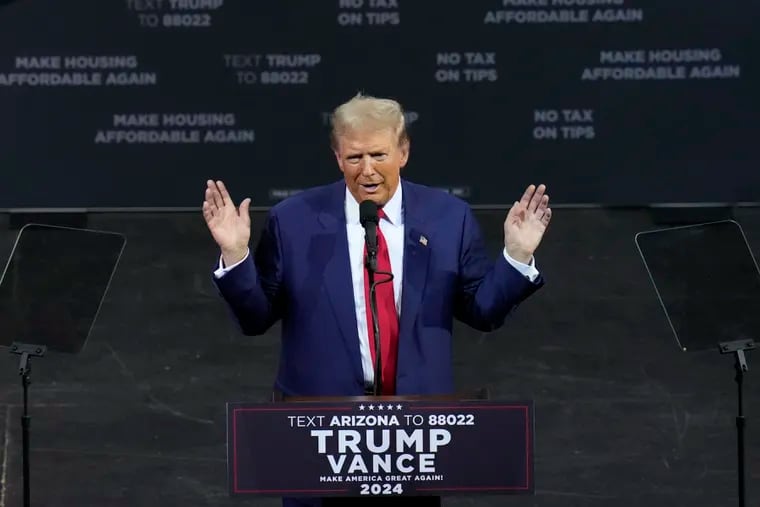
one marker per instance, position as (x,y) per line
(622,416)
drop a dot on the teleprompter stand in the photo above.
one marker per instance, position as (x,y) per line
(50,294)
(25,370)
(737,348)
(708,284)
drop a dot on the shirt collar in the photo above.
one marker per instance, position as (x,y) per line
(393,208)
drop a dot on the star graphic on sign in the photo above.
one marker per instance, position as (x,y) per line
(361,407)
(380,407)
(399,407)
(372,407)
(390,407)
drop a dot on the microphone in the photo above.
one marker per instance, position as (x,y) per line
(369,220)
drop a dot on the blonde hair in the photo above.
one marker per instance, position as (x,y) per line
(364,113)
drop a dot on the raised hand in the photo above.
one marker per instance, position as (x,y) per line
(526,223)
(230,226)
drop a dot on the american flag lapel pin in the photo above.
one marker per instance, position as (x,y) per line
(423,240)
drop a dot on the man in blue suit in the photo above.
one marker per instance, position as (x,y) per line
(308,269)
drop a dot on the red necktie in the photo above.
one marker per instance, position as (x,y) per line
(386,314)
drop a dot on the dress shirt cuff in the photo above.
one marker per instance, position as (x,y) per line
(223,270)
(529,271)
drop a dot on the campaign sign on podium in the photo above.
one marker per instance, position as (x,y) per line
(380,447)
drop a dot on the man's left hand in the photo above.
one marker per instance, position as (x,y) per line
(526,223)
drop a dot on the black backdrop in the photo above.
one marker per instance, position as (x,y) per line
(135,103)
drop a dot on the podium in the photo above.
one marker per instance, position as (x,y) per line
(337,448)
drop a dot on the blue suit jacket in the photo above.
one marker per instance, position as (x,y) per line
(300,274)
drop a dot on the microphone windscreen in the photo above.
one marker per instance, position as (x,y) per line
(368,212)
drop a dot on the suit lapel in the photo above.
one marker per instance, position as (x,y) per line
(337,276)
(416,257)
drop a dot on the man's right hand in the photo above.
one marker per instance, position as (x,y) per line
(230,227)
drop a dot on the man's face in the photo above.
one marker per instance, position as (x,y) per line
(371,163)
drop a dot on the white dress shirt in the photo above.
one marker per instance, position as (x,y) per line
(393,231)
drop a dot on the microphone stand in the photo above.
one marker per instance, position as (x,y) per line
(371,265)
